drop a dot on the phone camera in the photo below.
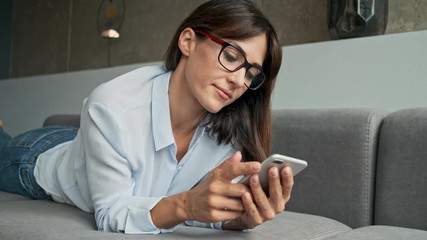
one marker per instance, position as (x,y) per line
(276,161)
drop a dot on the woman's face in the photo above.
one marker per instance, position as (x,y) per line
(210,83)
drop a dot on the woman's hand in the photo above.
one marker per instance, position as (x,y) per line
(215,199)
(258,207)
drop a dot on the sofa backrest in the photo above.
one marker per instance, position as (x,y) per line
(340,146)
(401,183)
(63,119)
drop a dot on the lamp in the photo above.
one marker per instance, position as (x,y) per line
(111,15)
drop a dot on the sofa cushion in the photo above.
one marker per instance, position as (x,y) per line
(402,170)
(5,197)
(340,146)
(45,220)
(381,233)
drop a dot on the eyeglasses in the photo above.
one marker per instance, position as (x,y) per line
(233,59)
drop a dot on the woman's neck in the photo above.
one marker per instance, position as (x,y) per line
(185,110)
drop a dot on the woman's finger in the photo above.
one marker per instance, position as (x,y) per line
(287,183)
(260,199)
(275,190)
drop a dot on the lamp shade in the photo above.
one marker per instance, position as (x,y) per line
(111,15)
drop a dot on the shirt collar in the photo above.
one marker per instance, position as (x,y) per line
(160,112)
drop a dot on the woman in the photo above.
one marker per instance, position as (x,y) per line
(160,146)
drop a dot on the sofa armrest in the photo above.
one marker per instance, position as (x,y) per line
(340,146)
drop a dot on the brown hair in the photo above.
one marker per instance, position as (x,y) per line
(246,121)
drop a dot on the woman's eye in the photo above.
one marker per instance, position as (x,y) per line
(230,56)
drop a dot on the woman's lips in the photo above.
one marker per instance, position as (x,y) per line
(223,93)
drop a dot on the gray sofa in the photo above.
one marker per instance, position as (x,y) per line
(367,179)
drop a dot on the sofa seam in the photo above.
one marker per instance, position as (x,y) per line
(367,169)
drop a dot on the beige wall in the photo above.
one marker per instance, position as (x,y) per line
(51,36)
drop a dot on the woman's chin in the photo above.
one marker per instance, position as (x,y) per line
(213,109)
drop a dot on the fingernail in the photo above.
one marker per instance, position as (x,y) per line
(254,178)
(256,167)
(274,172)
(287,171)
(246,197)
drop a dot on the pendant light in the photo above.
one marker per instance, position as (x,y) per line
(111,15)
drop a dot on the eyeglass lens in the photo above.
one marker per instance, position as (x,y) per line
(232,60)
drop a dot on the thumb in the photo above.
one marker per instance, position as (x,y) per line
(233,167)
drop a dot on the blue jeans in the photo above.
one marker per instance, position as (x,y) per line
(18,158)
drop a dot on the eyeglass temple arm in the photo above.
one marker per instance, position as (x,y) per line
(213,38)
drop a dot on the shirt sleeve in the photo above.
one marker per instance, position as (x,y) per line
(110,177)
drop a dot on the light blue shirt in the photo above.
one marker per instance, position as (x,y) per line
(123,160)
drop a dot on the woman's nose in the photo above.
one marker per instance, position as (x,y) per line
(237,78)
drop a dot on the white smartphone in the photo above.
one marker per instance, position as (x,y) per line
(279,161)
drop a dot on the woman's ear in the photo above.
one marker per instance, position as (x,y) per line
(186,41)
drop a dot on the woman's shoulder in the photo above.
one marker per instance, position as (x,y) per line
(132,78)
(127,88)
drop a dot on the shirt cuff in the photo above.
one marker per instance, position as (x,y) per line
(139,219)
